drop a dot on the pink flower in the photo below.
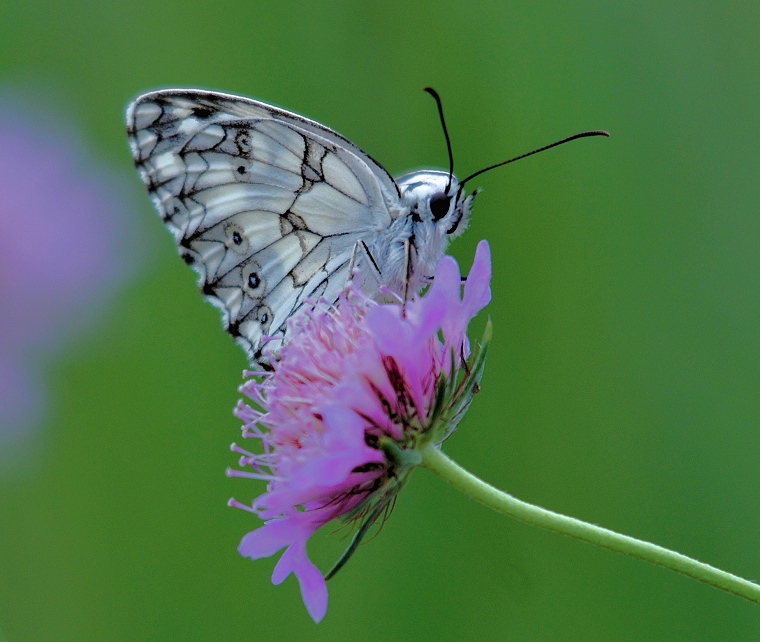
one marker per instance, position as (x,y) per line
(359,389)
(64,248)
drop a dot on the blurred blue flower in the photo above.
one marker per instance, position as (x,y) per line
(64,232)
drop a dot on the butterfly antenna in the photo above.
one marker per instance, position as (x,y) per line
(595,132)
(438,102)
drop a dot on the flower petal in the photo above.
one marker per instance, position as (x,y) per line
(313,585)
(268,539)
(477,289)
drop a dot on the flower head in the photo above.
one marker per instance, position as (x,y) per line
(358,389)
(63,246)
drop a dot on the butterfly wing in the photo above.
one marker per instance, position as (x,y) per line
(265,205)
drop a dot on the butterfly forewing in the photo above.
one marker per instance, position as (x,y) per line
(267,206)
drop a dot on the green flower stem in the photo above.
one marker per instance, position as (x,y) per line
(434,460)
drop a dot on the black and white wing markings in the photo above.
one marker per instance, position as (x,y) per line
(265,205)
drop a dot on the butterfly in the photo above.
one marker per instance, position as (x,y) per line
(275,211)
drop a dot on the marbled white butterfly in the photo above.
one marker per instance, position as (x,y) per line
(274,210)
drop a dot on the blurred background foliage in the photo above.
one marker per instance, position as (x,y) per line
(623,384)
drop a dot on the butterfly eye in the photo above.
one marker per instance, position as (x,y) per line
(439,205)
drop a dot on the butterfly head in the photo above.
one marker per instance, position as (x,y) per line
(436,200)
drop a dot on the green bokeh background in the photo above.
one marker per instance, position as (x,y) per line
(623,384)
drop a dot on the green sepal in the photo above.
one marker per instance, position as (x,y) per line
(442,393)
(360,534)
(357,539)
(462,397)
(400,458)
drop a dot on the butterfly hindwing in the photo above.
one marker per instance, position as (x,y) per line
(266,206)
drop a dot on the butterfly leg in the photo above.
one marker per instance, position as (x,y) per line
(371,258)
(362,251)
(361,247)
(407,273)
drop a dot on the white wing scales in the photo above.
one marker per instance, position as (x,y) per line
(267,206)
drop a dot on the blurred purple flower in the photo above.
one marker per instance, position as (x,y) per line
(359,389)
(63,234)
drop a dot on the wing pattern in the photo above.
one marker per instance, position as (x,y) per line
(265,205)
